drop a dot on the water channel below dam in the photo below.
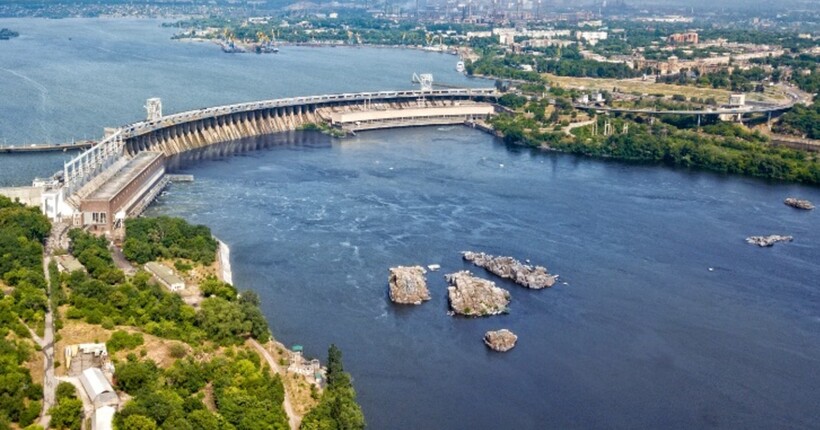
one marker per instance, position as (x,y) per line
(642,335)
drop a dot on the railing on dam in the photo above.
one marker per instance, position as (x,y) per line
(81,168)
(143,127)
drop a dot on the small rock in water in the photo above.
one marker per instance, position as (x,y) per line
(475,297)
(433,267)
(764,241)
(535,277)
(500,340)
(799,203)
(408,285)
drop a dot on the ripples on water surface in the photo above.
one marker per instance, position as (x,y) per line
(643,335)
(69,78)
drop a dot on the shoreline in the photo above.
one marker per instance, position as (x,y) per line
(223,259)
(458,52)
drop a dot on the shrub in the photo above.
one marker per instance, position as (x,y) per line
(121,340)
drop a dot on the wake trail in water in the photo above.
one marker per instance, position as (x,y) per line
(40,87)
(128,54)
(43,96)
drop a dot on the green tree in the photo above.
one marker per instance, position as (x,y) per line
(134,376)
(65,390)
(223,321)
(67,414)
(138,422)
(337,408)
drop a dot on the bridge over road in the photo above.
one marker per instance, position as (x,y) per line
(118,177)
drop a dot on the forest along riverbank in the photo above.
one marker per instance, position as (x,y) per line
(223,262)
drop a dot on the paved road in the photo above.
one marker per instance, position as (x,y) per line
(121,262)
(293,419)
(568,129)
(49,383)
(57,239)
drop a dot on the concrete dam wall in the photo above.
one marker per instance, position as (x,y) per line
(177,134)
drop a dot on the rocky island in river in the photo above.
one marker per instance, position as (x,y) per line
(472,296)
(766,241)
(500,340)
(534,277)
(799,203)
(408,285)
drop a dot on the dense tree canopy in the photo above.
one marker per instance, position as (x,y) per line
(150,238)
(247,397)
(22,231)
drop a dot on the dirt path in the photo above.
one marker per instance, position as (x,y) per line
(293,418)
(568,129)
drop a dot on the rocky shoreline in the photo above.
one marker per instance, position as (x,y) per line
(472,296)
(408,285)
(534,277)
(798,203)
(767,241)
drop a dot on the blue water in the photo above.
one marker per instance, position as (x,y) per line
(68,79)
(643,335)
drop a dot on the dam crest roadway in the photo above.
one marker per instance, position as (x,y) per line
(118,177)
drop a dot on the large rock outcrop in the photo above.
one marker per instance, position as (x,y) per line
(535,277)
(408,285)
(799,203)
(472,296)
(764,241)
(500,340)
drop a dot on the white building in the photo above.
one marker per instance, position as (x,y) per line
(103,397)
(103,418)
(737,100)
(165,275)
(591,37)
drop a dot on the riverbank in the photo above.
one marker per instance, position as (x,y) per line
(223,261)
(298,392)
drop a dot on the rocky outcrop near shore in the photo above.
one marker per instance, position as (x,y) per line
(799,203)
(408,285)
(534,277)
(765,241)
(472,296)
(500,340)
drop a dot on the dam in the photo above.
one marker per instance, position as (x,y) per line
(119,176)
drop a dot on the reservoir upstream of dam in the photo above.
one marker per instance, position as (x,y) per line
(663,316)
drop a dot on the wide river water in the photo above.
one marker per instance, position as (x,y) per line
(665,317)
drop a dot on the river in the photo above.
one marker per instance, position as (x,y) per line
(665,317)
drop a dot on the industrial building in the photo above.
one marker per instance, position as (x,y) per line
(165,275)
